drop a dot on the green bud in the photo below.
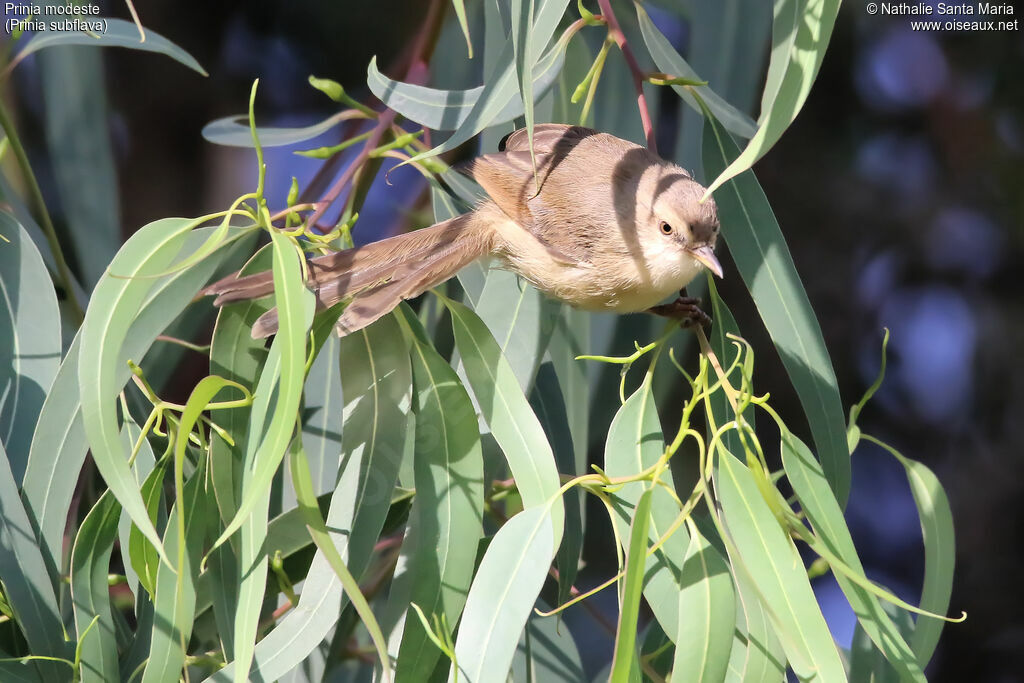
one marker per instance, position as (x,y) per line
(328,87)
(293,192)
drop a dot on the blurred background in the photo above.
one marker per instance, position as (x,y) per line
(900,189)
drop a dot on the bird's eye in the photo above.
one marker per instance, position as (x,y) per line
(666,229)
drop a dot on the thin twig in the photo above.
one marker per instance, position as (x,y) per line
(615,30)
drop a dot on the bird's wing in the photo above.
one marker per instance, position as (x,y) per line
(508,176)
(547,137)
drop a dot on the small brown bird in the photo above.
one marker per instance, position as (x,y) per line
(614,227)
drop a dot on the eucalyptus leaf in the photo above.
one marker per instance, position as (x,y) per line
(769,558)
(826,517)
(670,62)
(447,512)
(800,35)
(25,576)
(174,602)
(503,593)
(84,173)
(90,592)
(625,657)
(500,85)
(635,443)
(116,33)
(450,109)
(508,414)
(29,340)
(766,266)
(234,131)
(376,389)
(939,551)
(116,301)
(59,450)
(708,601)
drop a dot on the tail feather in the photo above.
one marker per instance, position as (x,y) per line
(376,276)
(374,303)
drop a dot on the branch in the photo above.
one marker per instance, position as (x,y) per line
(416,73)
(615,30)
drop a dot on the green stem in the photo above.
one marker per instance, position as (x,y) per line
(36,196)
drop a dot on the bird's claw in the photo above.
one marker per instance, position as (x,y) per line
(686,309)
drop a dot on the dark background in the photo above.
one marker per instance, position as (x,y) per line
(900,189)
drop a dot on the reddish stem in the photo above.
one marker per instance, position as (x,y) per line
(615,30)
(416,73)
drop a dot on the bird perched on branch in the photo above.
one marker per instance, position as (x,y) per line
(613,227)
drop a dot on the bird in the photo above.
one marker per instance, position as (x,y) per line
(590,219)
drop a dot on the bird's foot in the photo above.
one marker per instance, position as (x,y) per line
(686,309)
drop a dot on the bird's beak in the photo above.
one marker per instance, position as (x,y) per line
(706,256)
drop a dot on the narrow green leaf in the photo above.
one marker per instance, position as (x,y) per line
(174,603)
(521,320)
(321,424)
(500,85)
(15,205)
(522,49)
(508,414)
(772,563)
(272,417)
(450,109)
(114,33)
(867,663)
(142,554)
(634,444)
(84,174)
(59,449)
(234,131)
(670,62)
(24,574)
(115,304)
(939,551)
(144,465)
(447,511)
(504,591)
(763,259)
(29,340)
(757,655)
(547,652)
(800,35)
(720,51)
(460,12)
(90,592)
(727,351)
(707,608)
(318,530)
(295,305)
(632,587)
(251,578)
(549,404)
(236,356)
(376,387)
(823,512)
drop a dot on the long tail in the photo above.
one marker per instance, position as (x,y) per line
(376,277)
